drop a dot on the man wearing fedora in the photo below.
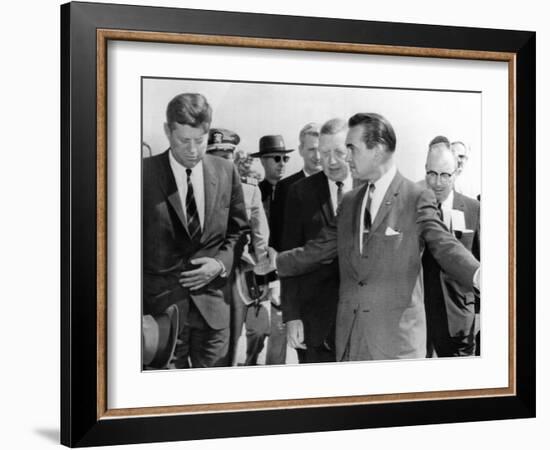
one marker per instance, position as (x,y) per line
(273,156)
(193,215)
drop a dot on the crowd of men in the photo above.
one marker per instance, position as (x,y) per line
(345,260)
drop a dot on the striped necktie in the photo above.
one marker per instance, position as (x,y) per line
(193,222)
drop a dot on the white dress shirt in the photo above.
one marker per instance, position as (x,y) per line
(346,187)
(197,180)
(380,187)
(446,209)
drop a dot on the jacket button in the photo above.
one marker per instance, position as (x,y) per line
(361,284)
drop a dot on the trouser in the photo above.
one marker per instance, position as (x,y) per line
(316,354)
(447,346)
(257,323)
(276,344)
(199,345)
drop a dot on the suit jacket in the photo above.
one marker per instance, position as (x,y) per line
(311,297)
(449,308)
(381,308)
(276,210)
(167,247)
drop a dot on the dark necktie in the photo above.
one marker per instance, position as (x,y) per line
(440,210)
(339,193)
(193,222)
(367,219)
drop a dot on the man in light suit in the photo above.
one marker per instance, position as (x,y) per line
(309,301)
(450,311)
(193,215)
(381,231)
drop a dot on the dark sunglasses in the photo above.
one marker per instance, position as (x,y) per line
(277,158)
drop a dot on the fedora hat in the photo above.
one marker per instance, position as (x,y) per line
(159,334)
(272,143)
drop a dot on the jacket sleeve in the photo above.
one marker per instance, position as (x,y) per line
(237,222)
(292,237)
(258,226)
(321,250)
(453,258)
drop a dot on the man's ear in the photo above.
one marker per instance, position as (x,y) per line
(167,130)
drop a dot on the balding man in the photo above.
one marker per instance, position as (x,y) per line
(450,310)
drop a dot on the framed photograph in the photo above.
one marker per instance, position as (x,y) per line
(249,207)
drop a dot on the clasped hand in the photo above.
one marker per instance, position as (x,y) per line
(195,279)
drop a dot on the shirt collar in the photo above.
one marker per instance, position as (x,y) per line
(179,170)
(383,183)
(348,183)
(448,202)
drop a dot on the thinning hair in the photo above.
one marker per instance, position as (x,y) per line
(189,109)
(440,140)
(440,150)
(310,129)
(466,147)
(376,130)
(334,126)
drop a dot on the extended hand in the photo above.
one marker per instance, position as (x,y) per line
(295,334)
(267,265)
(194,279)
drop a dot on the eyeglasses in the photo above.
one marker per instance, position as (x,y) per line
(277,158)
(443,176)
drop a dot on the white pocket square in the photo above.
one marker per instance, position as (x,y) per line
(391,232)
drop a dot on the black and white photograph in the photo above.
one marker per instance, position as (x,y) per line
(290,224)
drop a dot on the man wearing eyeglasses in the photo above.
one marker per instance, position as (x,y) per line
(450,310)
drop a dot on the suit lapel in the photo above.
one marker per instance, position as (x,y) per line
(352,250)
(323,194)
(387,203)
(210,191)
(458,202)
(168,185)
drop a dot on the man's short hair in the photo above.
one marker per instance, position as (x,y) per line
(440,140)
(376,130)
(334,126)
(189,109)
(311,129)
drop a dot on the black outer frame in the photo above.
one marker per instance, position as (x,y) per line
(79,423)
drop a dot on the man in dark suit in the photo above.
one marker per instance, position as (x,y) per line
(382,228)
(450,310)
(193,215)
(309,152)
(309,301)
(274,157)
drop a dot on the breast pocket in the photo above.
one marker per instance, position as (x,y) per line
(392,242)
